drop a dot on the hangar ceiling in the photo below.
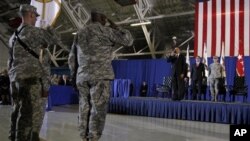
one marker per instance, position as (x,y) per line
(168,18)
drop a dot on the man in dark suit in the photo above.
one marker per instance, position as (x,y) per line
(178,73)
(197,75)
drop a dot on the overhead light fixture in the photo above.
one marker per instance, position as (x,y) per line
(74,33)
(141,23)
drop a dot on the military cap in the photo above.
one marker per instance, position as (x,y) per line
(28,8)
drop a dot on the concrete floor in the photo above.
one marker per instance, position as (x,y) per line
(61,125)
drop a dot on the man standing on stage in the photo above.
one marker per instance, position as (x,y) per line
(197,76)
(179,71)
(215,74)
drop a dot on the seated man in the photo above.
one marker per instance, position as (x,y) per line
(144,89)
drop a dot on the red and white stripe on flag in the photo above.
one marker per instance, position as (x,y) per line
(240,68)
(219,21)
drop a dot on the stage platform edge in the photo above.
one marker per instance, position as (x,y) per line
(205,111)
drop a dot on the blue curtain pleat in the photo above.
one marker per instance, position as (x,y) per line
(186,110)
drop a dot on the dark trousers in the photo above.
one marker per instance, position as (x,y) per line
(178,88)
(196,87)
(28,110)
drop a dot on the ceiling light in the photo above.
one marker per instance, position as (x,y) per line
(141,23)
(74,33)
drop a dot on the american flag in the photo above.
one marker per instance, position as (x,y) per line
(49,11)
(219,21)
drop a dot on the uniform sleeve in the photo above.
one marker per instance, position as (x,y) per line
(50,36)
(72,56)
(46,82)
(10,58)
(44,37)
(46,69)
(121,36)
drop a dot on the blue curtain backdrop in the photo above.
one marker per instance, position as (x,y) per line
(153,71)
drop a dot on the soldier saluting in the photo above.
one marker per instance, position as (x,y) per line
(27,74)
(94,44)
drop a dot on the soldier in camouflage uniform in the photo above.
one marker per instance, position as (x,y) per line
(27,74)
(94,45)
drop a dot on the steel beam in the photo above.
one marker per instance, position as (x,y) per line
(144,28)
(157,17)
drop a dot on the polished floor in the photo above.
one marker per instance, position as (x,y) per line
(61,125)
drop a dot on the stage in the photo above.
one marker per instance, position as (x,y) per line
(205,111)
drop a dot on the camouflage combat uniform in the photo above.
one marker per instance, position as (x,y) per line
(27,74)
(215,73)
(94,53)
